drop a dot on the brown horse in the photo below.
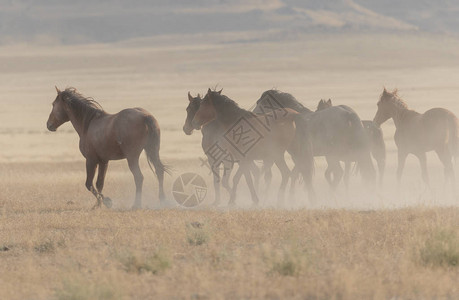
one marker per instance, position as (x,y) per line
(377,146)
(211,133)
(105,137)
(248,137)
(435,130)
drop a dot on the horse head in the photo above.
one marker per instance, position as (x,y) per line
(192,108)
(206,112)
(385,107)
(58,115)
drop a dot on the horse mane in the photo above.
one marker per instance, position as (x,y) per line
(84,108)
(284,99)
(230,108)
(394,98)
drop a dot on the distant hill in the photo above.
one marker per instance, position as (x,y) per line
(69,21)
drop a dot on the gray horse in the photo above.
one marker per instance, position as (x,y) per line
(377,146)
(336,133)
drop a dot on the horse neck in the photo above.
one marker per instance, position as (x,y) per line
(399,114)
(297,106)
(78,122)
(227,114)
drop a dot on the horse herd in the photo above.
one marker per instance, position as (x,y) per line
(279,123)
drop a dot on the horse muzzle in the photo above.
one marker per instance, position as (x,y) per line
(51,127)
(196,124)
(187,130)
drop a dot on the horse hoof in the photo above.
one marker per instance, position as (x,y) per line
(107,202)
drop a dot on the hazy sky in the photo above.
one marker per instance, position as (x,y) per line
(70,21)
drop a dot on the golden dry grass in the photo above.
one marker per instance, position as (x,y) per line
(53,246)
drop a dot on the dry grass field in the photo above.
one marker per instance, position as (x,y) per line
(374,244)
(52,246)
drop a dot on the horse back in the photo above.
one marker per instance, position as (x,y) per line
(115,136)
(253,136)
(429,131)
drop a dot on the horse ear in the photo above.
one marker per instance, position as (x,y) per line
(190,97)
(220,91)
(57,90)
(209,91)
(329,101)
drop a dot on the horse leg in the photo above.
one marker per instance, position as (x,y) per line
(423,162)
(216,177)
(381,168)
(256,174)
(285,172)
(249,181)
(305,166)
(236,179)
(133,163)
(401,164)
(307,177)
(101,179)
(446,158)
(328,176)
(267,169)
(294,175)
(347,173)
(337,174)
(215,168)
(101,176)
(91,166)
(334,167)
(227,168)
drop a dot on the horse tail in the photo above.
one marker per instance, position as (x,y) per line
(361,142)
(453,141)
(152,148)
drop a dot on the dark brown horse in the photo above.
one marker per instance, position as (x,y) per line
(435,130)
(377,146)
(248,137)
(105,137)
